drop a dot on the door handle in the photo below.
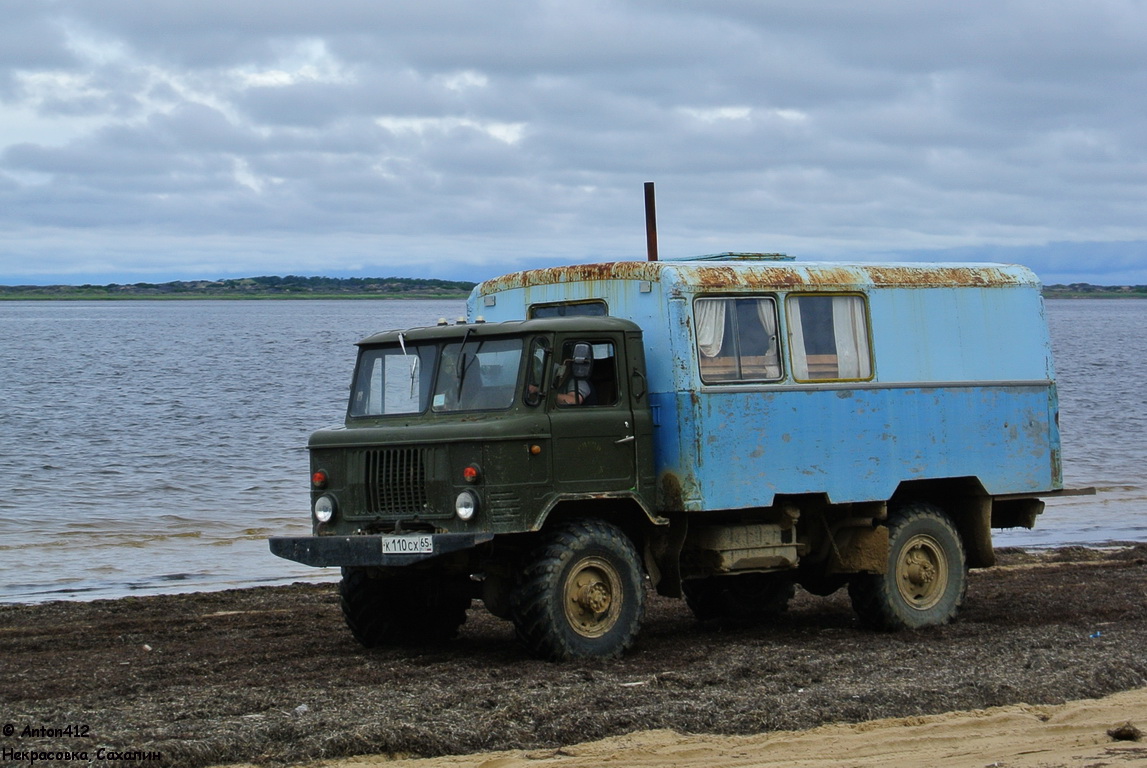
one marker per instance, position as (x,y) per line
(626,439)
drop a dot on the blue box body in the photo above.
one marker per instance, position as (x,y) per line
(962,382)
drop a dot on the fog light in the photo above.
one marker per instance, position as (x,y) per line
(465,505)
(324,509)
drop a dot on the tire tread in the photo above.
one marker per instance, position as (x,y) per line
(533,605)
(400,610)
(872,594)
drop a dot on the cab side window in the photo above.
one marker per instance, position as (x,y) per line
(828,337)
(588,374)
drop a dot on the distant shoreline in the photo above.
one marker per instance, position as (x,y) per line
(266,287)
(406,297)
(230,297)
(360,289)
(1086,296)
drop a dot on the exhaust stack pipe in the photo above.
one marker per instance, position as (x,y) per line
(650,223)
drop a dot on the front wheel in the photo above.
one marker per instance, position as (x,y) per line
(386,607)
(926,578)
(581,593)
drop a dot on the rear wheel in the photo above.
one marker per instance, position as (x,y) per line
(385,608)
(581,593)
(740,599)
(926,578)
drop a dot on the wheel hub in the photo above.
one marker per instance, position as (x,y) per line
(594,598)
(922,572)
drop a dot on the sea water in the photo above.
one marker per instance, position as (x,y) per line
(153,446)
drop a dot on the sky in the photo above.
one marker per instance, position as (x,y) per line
(176,140)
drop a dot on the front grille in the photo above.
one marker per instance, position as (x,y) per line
(396,481)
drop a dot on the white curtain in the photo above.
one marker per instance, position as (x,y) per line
(851,337)
(767,312)
(796,340)
(710,326)
(768,319)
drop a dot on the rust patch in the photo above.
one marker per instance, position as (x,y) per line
(615,270)
(926,275)
(670,495)
(847,276)
(707,275)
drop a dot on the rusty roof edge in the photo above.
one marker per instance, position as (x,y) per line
(784,274)
(610,270)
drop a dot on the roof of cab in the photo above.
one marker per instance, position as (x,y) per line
(581,324)
(770,272)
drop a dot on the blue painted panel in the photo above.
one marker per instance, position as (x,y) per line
(859,444)
(960,334)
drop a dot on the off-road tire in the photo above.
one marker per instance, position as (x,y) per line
(580,593)
(739,600)
(926,578)
(402,608)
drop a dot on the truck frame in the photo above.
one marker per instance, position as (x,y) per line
(722,429)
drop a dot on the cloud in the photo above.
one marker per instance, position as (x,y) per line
(175,138)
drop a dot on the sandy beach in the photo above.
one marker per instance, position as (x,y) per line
(1094,732)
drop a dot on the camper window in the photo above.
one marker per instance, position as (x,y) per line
(737,339)
(828,338)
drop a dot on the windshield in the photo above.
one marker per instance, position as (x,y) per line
(392,381)
(409,378)
(477,375)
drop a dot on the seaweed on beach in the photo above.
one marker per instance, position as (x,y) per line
(270,675)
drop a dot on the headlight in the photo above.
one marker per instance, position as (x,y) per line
(324,509)
(466,505)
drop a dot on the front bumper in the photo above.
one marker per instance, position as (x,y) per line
(323,551)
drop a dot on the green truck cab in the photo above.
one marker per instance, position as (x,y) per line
(461,444)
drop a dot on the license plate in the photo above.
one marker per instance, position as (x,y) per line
(407,545)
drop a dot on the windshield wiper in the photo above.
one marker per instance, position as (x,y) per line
(413,365)
(459,362)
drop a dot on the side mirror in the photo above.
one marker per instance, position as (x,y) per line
(582,360)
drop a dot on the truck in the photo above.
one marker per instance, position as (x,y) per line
(722,429)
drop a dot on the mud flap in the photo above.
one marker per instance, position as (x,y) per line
(862,550)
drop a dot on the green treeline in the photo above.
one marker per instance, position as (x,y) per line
(1089,291)
(291,286)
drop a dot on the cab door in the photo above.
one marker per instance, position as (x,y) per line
(593,432)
